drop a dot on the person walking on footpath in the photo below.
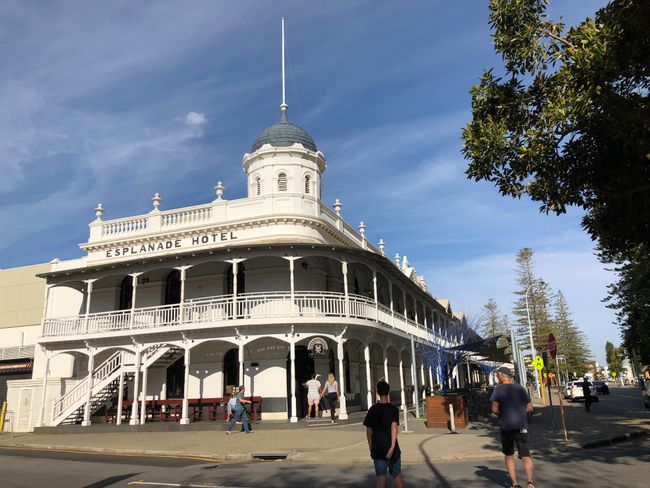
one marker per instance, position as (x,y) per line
(586,392)
(239,412)
(313,394)
(511,402)
(382,421)
(331,394)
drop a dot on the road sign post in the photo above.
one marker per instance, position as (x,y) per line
(547,377)
(560,394)
(538,364)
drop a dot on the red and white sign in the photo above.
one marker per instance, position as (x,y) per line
(552,347)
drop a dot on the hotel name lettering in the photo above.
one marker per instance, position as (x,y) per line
(158,246)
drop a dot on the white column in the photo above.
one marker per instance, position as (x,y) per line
(292,357)
(401,381)
(134,287)
(414,377)
(89,292)
(136,388)
(423,380)
(240,358)
(392,310)
(89,394)
(181,305)
(235,271)
(454,376)
(374,294)
(186,388)
(366,356)
(430,378)
(41,420)
(143,410)
(469,372)
(292,285)
(415,311)
(120,393)
(344,267)
(343,408)
(386,366)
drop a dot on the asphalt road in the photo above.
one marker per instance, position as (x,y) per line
(624,466)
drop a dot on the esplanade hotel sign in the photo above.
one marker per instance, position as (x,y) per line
(173,308)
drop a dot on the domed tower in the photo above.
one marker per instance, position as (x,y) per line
(284,158)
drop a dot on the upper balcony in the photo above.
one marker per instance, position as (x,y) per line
(228,311)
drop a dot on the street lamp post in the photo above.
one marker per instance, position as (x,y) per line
(530,336)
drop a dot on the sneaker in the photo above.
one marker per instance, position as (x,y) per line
(531,484)
(228,432)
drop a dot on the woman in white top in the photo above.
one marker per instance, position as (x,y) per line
(331,394)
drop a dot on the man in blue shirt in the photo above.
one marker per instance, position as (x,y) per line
(510,401)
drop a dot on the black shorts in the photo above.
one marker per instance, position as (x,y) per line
(508,440)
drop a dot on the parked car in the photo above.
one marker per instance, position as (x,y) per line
(601,387)
(576,391)
(567,389)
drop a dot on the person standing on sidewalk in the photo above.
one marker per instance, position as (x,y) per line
(586,392)
(331,394)
(313,394)
(240,412)
(382,421)
(510,401)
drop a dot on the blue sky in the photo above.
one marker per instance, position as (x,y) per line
(113,101)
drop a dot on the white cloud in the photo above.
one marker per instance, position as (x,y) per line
(195,119)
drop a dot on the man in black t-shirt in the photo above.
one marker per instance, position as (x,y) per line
(381,424)
(510,401)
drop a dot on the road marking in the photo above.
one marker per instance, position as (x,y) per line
(184,485)
(115,454)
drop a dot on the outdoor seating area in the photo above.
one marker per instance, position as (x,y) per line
(199,409)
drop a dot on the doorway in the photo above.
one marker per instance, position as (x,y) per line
(304,369)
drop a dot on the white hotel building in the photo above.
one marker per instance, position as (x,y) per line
(184,303)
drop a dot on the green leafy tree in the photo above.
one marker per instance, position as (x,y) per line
(571,341)
(630,297)
(613,357)
(568,124)
(537,292)
(493,323)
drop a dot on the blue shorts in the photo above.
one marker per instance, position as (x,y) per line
(392,466)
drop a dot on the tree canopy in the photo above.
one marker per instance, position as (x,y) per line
(567,123)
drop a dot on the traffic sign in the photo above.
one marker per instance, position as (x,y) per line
(552,346)
(538,363)
(614,374)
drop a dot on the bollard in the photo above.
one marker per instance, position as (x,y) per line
(406,420)
(452,421)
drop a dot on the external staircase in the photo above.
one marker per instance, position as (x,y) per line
(69,409)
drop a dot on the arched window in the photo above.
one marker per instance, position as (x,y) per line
(282,182)
(126,293)
(173,288)
(241,280)
(258,186)
(307,184)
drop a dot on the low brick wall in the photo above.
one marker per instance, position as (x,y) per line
(438,412)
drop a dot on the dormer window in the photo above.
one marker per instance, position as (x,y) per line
(258,186)
(282,182)
(307,182)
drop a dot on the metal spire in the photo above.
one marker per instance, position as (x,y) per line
(283,106)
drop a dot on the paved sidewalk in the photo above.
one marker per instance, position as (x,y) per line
(347,443)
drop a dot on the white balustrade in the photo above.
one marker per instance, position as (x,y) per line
(186,216)
(124,226)
(249,306)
